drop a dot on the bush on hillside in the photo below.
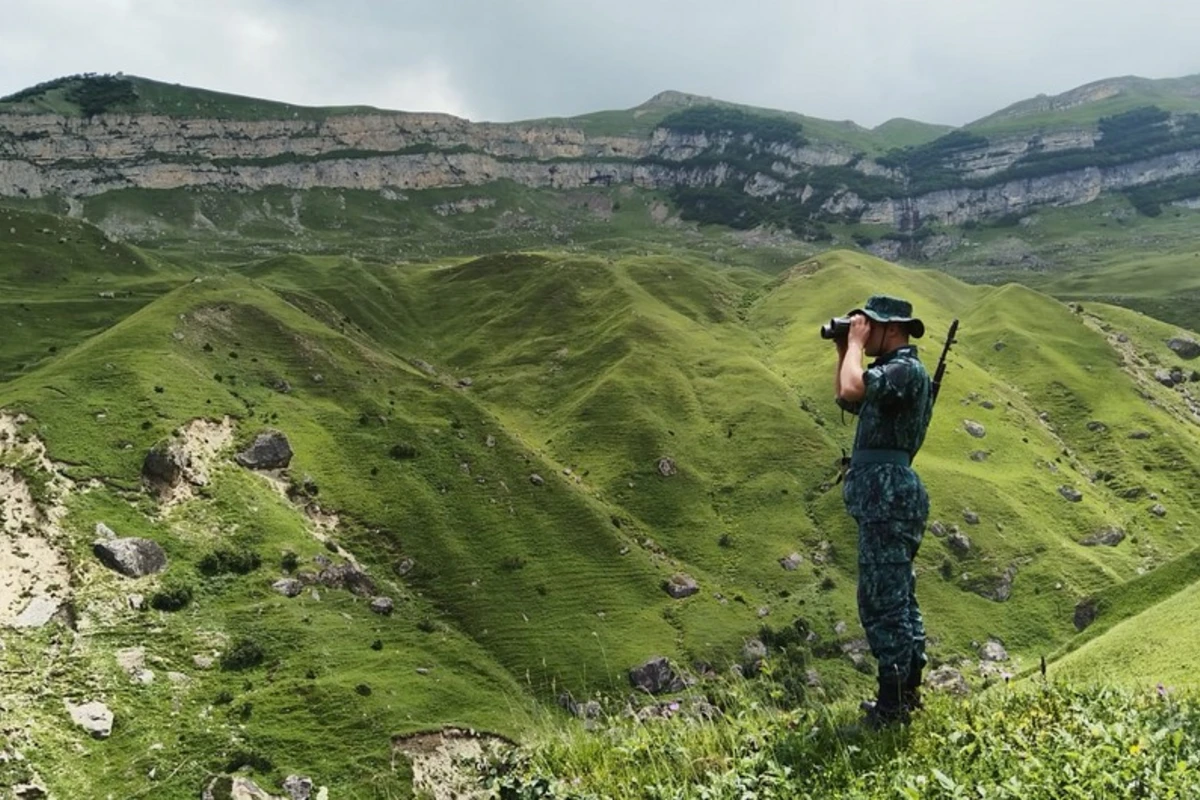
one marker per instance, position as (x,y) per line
(171,598)
(225,561)
(246,653)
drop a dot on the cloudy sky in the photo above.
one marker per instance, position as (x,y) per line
(947,61)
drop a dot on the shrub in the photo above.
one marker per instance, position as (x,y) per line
(246,653)
(171,598)
(224,561)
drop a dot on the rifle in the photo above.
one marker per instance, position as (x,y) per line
(941,367)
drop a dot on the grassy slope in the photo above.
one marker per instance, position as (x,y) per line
(583,362)
(1075,109)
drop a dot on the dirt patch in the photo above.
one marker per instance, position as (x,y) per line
(322,523)
(203,441)
(34,572)
(443,762)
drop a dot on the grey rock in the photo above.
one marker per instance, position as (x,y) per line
(937,528)
(1070,493)
(270,450)
(812,679)
(490,441)
(93,717)
(959,543)
(974,428)
(466,383)
(979,455)
(792,562)
(38,613)
(132,557)
(1167,377)
(104,532)
(345,576)
(136,602)
(537,480)
(202,662)
(383,605)
(29,791)
(667,467)
(404,567)
(839,628)
(970,517)
(1158,510)
(424,366)
(656,676)
(998,346)
(1109,536)
(1096,426)
(754,652)
(949,680)
(1140,435)
(988,404)
(225,787)
(1086,611)
(1184,348)
(280,385)
(288,587)
(993,650)
(298,787)
(681,586)
(164,465)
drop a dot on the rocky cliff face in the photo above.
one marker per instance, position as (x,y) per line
(46,154)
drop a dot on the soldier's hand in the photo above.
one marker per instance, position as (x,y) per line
(860,329)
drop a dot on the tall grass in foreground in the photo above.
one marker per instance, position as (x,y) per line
(1031,741)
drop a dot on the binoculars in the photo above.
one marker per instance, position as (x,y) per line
(836,328)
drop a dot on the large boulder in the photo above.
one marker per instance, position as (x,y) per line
(165,464)
(1184,348)
(993,650)
(132,557)
(1109,536)
(656,676)
(270,450)
(681,586)
(93,717)
(948,679)
(1086,611)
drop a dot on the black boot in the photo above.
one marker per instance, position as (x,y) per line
(910,692)
(888,708)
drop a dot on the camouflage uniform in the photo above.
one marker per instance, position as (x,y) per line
(887,499)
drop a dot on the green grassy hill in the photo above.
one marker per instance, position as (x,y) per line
(422,398)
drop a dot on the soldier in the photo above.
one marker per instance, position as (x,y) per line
(893,402)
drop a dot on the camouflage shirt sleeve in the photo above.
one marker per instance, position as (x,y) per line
(887,383)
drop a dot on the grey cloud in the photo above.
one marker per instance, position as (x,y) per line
(868,60)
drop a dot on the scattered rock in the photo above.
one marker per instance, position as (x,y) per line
(998,346)
(948,679)
(754,652)
(344,576)
(38,613)
(791,562)
(1170,377)
(280,385)
(1140,435)
(1184,348)
(970,517)
(1109,536)
(270,450)
(988,404)
(383,605)
(404,567)
(424,366)
(104,532)
(132,557)
(136,602)
(993,651)
(1096,426)
(937,528)
(839,628)
(537,480)
(29,791)
(288,587)
(980,455)
(203,662)
(656,676)
(1086,611)
(93,717)
(224,787)
(164,465)
(466,383)
(667,467)
(681,586)
(959,543)
(1158,510)
(1070,493)
(298,787)
(974,428)
(490,441)
(812,678)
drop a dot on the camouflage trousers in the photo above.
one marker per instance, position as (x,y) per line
(887,594)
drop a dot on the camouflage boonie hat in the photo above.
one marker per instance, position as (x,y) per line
(882,308)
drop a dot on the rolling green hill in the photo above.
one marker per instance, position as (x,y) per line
(521,449)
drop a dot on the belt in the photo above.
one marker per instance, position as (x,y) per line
(900,457)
